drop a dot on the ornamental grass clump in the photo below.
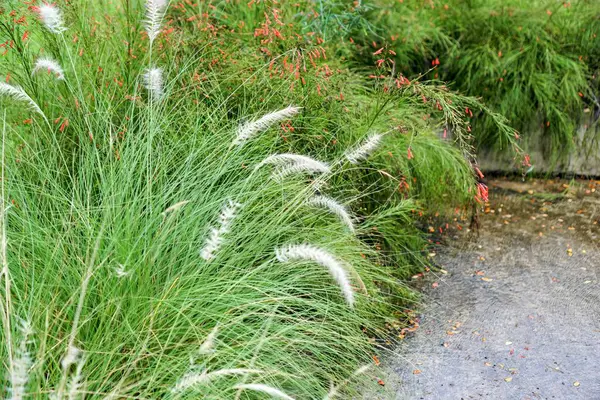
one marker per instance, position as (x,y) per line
(176,231)
(129,252)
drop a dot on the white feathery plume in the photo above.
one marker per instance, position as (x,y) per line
(215,239)
(19,371)
(281,159)
(155,12)
(153,81)
(310,167)
(72,356)
(175,207)
(335,389)
(288,164)
(298,252)
(209,344)
(259,387)
(121,272)
(193,379)
(334,207)
(250,129)
(364,150)
(47,64)
(17,93)
(75,384)
(52,18)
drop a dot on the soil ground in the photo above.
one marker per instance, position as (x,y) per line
(515,311)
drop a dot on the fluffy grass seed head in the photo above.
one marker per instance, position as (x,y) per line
(250,129)
(216,236)
(192,379)
(75,385)
(52,18)
(175,207)
(209,344)
(155,12)
(19,370)
(259,387)
(307,252)
(334,391)
(364,150)
(288,164)
(47,64)
(73,355)
(17,93)
(334,207)
(121,271)
(153,81)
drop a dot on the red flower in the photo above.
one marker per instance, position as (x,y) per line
(479,172)
(482,193)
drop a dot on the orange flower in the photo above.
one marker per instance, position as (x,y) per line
(482,193)
(64,125)
(479,172)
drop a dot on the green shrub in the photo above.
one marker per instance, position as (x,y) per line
(125,239)
(534,62)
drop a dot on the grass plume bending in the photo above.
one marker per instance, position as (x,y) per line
(309,252)
(250,129)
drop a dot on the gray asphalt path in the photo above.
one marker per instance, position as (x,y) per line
(517,313)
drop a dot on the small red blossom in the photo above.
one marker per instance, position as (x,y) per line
(482,195)
(64,125)
(479,173)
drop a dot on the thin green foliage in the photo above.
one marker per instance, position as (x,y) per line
(144,239)
(533,62)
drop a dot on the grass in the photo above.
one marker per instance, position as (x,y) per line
(532,61)
(142,245)
(139,331)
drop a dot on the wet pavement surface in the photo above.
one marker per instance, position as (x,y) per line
(514,312)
